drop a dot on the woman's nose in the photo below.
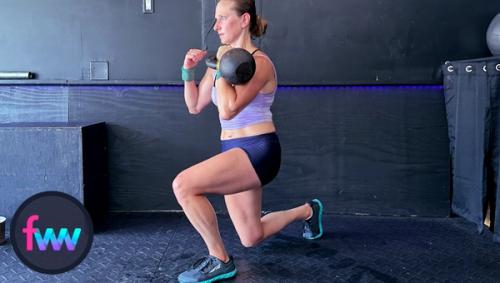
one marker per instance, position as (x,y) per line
(216,26)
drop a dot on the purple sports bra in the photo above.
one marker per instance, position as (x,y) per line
(257,111)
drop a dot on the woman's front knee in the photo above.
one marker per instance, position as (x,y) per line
(180,186)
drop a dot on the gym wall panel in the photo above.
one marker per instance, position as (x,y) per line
(362,150)
(367,150)
(373,150)
(33,104)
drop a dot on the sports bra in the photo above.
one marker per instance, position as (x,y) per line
(257,111)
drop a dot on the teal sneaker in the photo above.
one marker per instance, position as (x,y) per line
(208,269)
(313,227)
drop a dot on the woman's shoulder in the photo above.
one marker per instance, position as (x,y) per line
(261,57)
(267,66)
(261,53)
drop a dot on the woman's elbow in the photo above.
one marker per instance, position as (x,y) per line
(226,115)
(228,112)
(194,111)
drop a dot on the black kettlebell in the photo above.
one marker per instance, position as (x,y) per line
(237,66)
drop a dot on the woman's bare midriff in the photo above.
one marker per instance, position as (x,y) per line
(252,130)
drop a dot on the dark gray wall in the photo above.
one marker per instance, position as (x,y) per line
(376,151)
(367,41)
(311,42)
(57,39)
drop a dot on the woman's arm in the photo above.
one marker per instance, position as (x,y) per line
(196,98)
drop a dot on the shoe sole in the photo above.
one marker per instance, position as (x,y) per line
(320,220)
(220,277)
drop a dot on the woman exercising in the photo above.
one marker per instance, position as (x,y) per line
(251,152)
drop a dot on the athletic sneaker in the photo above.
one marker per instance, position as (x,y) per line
(313,227)
(208,269)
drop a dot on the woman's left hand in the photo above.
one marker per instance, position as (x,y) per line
(223,49)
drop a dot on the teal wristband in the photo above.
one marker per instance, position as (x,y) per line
(218,74)
(187,74)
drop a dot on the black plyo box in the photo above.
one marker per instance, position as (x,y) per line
(65,157)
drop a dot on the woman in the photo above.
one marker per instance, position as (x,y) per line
(251,152)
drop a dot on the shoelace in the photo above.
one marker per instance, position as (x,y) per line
(307,227)
(201,263)
(204,264)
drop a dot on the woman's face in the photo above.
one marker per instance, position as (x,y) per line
(228,24)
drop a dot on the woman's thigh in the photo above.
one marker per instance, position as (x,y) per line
(225,173)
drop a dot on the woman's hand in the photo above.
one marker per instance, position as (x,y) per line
(222,49)
(193,56)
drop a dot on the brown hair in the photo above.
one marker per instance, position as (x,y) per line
(258,25)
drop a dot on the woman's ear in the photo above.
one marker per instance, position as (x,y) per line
(245,20)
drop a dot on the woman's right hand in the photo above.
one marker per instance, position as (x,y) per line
(193,56)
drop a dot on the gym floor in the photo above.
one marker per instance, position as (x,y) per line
(156,247)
